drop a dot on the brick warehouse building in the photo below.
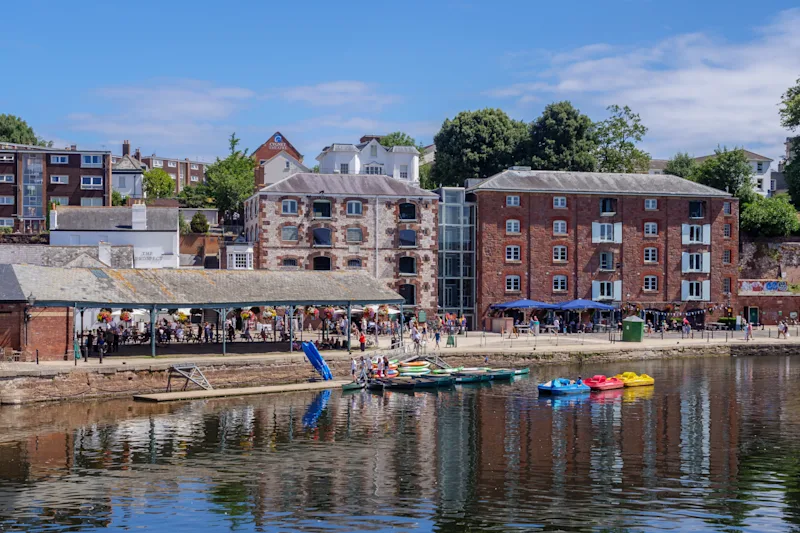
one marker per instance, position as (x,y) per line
(32,177)
(658,242)
(374,223)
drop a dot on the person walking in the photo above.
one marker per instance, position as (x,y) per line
(437,337)
(362,340)
(747,330)
(556,325)
(536,325)
(353,368)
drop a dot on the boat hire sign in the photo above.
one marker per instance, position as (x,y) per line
(765,287)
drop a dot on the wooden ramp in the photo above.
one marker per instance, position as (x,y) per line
(243,391)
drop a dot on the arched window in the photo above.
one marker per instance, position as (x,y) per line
(408,238)
(322,263)
(408,265)
(354,263)
(409,293)
(408,211)
(290,263)
(322,237)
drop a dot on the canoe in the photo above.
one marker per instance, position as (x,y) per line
(470,378)
(431,383)
(632,379)
(476,369)
(521,371)
(397,384)
(500,375)
(601,382)
(561,386)
(375,384)
(423,372)
(355,385)
(446,370)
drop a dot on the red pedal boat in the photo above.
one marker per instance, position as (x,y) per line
(604,383)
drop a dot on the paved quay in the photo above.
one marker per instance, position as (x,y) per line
(237,391)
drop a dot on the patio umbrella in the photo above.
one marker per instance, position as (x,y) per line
(582,305)
(525,304)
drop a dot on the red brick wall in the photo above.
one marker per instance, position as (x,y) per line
(769,307)
(50,331)
(11,326)
(536,240)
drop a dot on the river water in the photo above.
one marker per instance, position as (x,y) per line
(714,446)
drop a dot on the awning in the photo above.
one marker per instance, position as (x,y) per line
(584,305)
(525,304)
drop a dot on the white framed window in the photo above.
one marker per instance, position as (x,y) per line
(726,208)
(407,238)
(606,261)
(560,254)
(158,163)
(194,178)
(695,290)
(606,290)
(695,234)
(512,201)
(608,207)
(354,263)
(651,204)
(289,233)
(287,166)
(5,158)
(91,160)
(651,255)
(122,182)
(651,283)
(59,180)
(559,227)
(726,257)
(512,253)
(6,222)
(321,209)
(512,284)
(650,229)
(355,235)
(726,231)
(60,200)
(512,226)
(240,261)
(560,283)
(559,202)
(606,232)
(695,263)
(91,182)
(194,166)
(59,159)
(373,150)
(404,172)
(354,207)
(172,164)
(91,202)
(6,178)
(6,200)
(373,170)
(289,207)
(726,285)
(344,168)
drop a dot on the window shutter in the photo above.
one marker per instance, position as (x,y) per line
(706,233)
(706,262)
(684,290)
(706,290)
(617,290)
(684,261)
(595,290)
(595,232)
(685,233)
(618,232)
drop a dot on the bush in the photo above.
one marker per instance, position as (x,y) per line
(729,321)
(199,223)
(770,217)
(6,230)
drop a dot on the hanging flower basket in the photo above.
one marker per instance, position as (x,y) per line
(182,318)
(245,315)
(383,310)
(269,312)
(669,308)
(125,316)
(104,317)
(327,313)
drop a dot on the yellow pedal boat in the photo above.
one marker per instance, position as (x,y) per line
(632,379)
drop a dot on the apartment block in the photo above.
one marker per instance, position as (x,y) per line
(185,172)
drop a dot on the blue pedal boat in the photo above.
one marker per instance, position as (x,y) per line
(561,386)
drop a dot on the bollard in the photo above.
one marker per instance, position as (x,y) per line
(37,356)
(726,336)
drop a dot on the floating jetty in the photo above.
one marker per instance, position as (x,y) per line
(241,391)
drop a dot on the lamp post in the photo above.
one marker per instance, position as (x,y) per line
(31,300)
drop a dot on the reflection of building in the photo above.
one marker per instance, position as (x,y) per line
(457,253)
(383,226)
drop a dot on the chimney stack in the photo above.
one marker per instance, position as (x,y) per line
(138,155)
(126,148)
(74,147)
(139,217)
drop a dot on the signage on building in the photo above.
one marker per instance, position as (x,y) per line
(763,286)
(148,257)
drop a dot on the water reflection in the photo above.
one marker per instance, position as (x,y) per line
(713,446)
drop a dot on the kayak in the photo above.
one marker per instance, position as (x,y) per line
(521,371)
(405,373)
(631,379)
(425,364)
(407,368)
(601,382)
(563,386)
(470,378)
(446,370)
(398,385)
(421,383)
(498,375)
(355,385)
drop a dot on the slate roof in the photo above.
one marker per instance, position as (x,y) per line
(340,147)
(353,184)
(96,287)
(126,162)
(751,156)
(658,164)
(404,150)
(594,183)
(75,218)
(64,256)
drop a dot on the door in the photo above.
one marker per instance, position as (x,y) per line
(752,315)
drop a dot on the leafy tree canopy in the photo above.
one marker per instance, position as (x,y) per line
(196,196)
(231,180)
(425,180)
(562,138)
(476,144)
(158,184)
(727,170)
(616,139)
(199,223)
(117,199)
(790,107)
(15,130)
(770,217)
(397,138)
(681,164)
(792,174)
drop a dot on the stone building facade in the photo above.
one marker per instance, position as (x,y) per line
(654,242)
(377,224)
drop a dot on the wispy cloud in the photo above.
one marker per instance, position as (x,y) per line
(693,91)
(339,93)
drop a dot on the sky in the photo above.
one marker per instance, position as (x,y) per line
(177,77)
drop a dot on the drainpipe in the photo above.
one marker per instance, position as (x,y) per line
(375,236)
(153,331)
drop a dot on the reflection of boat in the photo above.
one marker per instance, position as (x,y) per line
(315,409)
(609,396)
(632,379)
(637,393)
(598,383)
(561,402)
(561,386)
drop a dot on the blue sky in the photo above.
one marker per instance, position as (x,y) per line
(176,77)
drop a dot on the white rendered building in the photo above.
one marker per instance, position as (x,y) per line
(369,157)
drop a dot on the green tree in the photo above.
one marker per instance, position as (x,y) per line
(199,223)
(158,184)
(562,138)
(397,138)
(315,169)
(15,130)
(790,107)
(196,196)
(425,180)
(231,180)
(616,142)
(727,170)
(476,144)
(117,199)
(681,164)
(792,173)
(182,224)
(769,217)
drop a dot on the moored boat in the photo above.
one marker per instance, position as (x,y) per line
(632,379)
(501,374)
(354,385)
(521,371)
(561,386)
(601,382)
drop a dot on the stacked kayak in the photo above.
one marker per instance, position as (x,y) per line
(416,368)
(316,360)
(601,382)
(632,379)
(561,386)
